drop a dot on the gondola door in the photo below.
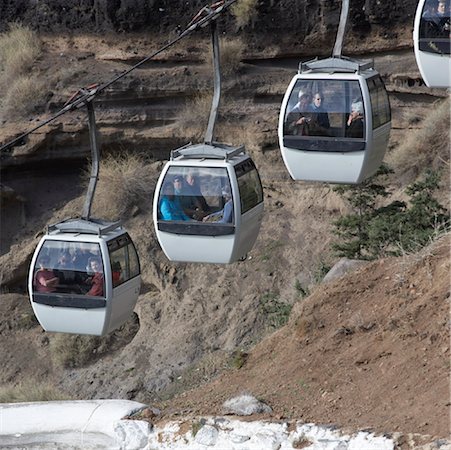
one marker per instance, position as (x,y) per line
(125,279)
(249,205)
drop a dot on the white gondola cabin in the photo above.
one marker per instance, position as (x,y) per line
(335,121)
(431,37)
(84,277)
(208,204)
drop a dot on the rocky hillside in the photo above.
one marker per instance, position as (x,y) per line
(356,352)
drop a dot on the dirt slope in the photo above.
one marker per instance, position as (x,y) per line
(370,350)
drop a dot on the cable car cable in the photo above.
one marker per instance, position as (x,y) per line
(205,16)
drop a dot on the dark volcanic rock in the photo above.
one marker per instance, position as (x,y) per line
(298,18)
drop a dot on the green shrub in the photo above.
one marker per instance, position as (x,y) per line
(238,359)
(373,231)
(274,311)
(301,290)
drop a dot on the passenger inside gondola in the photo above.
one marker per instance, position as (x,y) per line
(196,206)
(225,215)
(191,194)
(319,125)
(116,273)
(191,199)
(297,122)
(64,271)
(170,207)
(45,279)
(435,28)
(354,124)
(96,281)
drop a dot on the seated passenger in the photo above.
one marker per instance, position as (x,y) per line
(197,206)
(65,272)
(96,280)
(297,121)
(45,279)
(354,124)
(436,25)
(83,253)
(116,272)
(319,125)
(187,195)
(225,215)
(170,207)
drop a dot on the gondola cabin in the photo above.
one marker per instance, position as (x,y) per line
(84,277)
(335,122)
(208,204)
(431,37)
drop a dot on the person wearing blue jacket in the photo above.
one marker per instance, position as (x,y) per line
(170,207)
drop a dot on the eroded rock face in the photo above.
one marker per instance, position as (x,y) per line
(299,17)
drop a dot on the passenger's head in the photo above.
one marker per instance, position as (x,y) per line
(304,98)
(226,193)
(44,261)
(94,264)
(64,259)
(441,7)
(168,189)
(178,183)
(318,99)
(190,179)
(357,107)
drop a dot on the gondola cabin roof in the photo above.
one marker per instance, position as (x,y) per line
(214,154)
(337,67)
(85,229)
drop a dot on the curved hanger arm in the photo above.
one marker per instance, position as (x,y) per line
(341,29)
(217,84)
(95,158)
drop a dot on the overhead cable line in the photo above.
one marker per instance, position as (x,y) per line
(86,95)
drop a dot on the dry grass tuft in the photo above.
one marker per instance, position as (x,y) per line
(22,96)
(231,55)
(427,146)
(22,92)
(19,48)
(244,11)
(31,391)
(74,350)
(125,182)
(194,116)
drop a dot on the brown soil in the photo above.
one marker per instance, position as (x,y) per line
(370,350)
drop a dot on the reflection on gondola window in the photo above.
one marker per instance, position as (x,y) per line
(74,274)
(337,97)
(124,260)
(380,104)
(249,185)
(193,195)
(435,27)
